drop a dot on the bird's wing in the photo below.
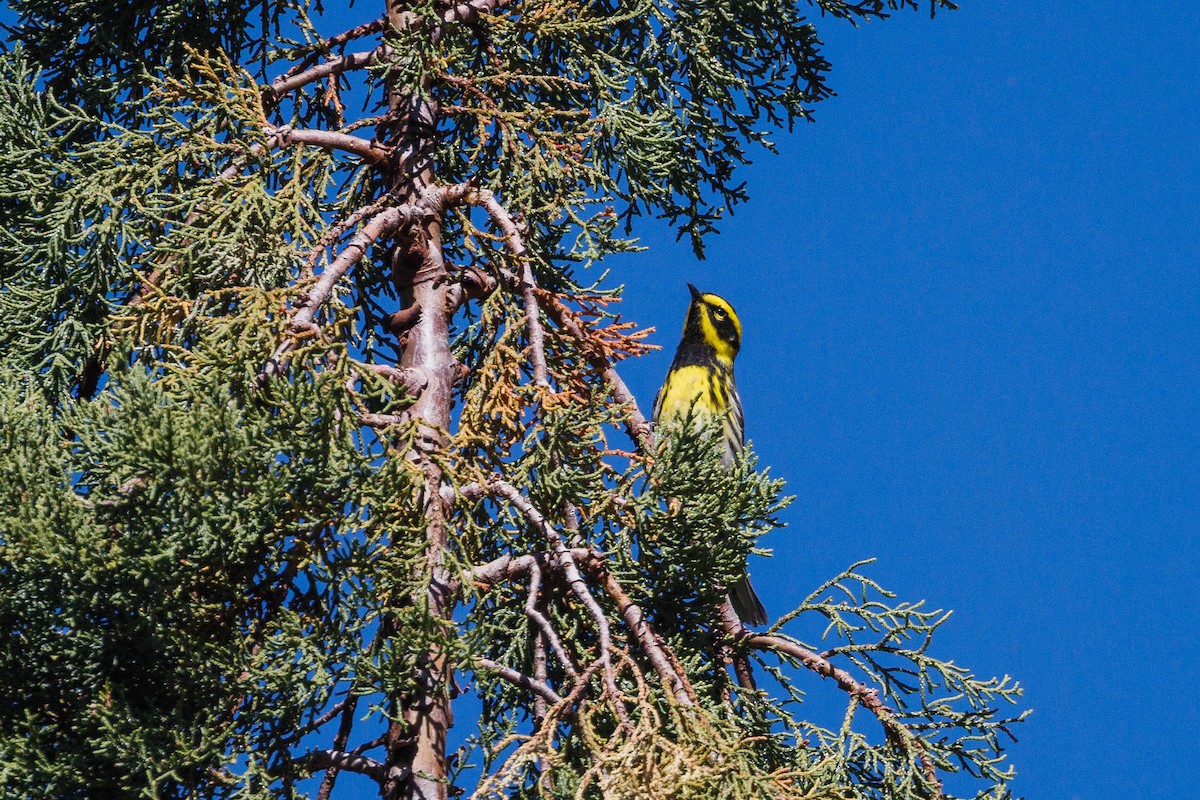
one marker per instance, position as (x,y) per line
(659,396)
(735,422)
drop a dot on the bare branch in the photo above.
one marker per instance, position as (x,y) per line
(571,523)
(639,427)
(339,744)
(382,224)
(357,32)
(327,716)
(290,81)
(547,630)
(337,229)
(510,567)
(471,492)
(378,741)
(472,10)
(366,149)
(541,674)
(381,420)
(516,245)
(520,679)
(340,760)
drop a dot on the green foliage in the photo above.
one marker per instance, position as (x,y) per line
(97,55)
(951,716)
(177,558)
(86,222)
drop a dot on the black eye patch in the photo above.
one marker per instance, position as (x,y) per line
(725,329)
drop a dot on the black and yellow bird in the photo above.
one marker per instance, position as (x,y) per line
(700,381)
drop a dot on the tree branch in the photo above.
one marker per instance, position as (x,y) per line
(547,630)
(337,229)
(366,149)
(520,679)
(469,12)
(635,618)
(510,567)
(869,697)
(570,569)
(412,380)
(516,245)
(731,623)
(357,32)
(339,744)
(382,224)
(635,421)
(290,81)
(360,764)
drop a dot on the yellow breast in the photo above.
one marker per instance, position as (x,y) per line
(689,387)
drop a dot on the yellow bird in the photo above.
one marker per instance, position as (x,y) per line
(701,378)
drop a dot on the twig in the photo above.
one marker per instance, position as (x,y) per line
(357,32)
(520,679)
(547,630)
(337,229)
(378,741)
(327,716)
(339,744)
(382,224)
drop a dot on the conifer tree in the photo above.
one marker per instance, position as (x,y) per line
(313,425)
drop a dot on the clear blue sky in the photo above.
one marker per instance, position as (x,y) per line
(971,296)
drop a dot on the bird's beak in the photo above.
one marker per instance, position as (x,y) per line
(695,292)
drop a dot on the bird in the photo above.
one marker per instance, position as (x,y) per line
(700,381)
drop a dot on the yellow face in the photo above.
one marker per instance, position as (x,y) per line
(713,320)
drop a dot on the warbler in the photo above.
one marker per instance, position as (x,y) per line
(701,378)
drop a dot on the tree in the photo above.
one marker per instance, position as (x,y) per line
(314,419)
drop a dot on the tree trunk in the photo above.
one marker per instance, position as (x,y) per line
(417,744)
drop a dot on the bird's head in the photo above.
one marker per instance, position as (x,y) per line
(712,323)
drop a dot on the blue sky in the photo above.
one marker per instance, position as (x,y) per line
(971,296)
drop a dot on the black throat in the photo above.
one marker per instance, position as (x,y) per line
(695,353)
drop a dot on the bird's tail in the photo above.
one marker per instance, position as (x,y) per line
(746,603)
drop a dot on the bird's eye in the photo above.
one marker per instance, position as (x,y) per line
(719,314)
